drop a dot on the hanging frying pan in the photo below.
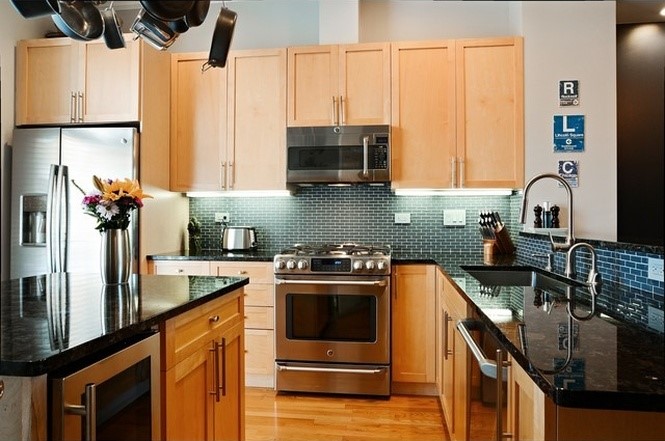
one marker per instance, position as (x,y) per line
(80,20)
(221,39)
(170,10)
(112,29)
(36,8)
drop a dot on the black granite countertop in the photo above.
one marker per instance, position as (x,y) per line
(218,254)
(50,321)
(614,365)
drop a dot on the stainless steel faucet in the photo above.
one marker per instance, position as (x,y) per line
(593,279)
(570,236)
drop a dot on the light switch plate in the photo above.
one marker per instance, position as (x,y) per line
(454,217)
(221,217)
(402,218)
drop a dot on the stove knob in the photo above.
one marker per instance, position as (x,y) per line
(279,264)
(302,264)
(291,264)
(370,265)
(358,265)
(381,265)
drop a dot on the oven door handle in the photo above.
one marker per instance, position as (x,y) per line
(330,282)
(329,370)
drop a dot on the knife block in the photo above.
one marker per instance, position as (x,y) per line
(502,244)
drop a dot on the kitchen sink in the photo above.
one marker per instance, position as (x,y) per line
(518,276)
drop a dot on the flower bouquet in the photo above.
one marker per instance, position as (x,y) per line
(112,202)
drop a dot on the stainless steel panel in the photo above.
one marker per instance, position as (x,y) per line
(333,378)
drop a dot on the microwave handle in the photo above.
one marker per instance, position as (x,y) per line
(88,410)
(365,157)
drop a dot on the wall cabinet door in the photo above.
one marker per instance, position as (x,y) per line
(198,124)
(490,112)
(423,114)
(339,85)
(413,328)
(256,154)
(61,81)
(457,114)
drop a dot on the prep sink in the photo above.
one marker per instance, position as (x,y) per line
(518,276)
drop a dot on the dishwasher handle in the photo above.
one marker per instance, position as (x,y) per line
(487,367)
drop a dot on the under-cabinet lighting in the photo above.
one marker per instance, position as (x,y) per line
(239,194)
(453,192)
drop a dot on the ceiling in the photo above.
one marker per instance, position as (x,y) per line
(639,11)
(628,11)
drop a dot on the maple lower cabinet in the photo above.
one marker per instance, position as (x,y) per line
(259,319)
(62,81)
(256,135)
(203,372)
(457,113)
(198,124)
(413,327)
(331,85)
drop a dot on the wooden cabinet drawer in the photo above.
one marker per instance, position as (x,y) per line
(182,268)
(259,317)
(190,330)
(259,295)
(258,272)
(259,352)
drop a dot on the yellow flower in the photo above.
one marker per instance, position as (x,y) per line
(114,190)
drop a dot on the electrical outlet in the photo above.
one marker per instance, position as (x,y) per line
(402,218)
(655,319)
(222,217)
(656,269)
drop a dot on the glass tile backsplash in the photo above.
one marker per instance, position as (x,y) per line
(356,214)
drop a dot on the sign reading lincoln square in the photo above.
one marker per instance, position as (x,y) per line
(568,133)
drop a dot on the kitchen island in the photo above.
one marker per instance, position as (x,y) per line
(53,321)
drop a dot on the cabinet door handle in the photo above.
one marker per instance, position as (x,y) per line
(500,435)
(446,350)
(222,176)
(461,172)
(223,386)
(232,175)
(80,107)
(334,111)
(87,410)
(453,172)
(72,108)
(341,107)
(215,368)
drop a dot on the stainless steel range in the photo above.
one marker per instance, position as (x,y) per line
(332,319)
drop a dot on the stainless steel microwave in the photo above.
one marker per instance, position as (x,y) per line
(338,154)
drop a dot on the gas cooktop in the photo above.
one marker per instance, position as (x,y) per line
(342,258)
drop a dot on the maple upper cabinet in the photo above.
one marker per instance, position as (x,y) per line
(61,81)
(198,124)
(256,136)
(339,85)
(457,113)
(490,112)
(423,114)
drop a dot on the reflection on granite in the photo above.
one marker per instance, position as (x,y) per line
(51,320)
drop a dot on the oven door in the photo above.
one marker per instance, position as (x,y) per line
(332,319)
(117,397)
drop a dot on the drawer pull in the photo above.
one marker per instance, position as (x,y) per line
(214,319)
(242,272)
(180,270)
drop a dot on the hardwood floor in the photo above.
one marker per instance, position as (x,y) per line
(282,417)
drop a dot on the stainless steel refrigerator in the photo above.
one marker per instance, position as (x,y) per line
(49,230)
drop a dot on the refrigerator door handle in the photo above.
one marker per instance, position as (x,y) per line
(63,184)
(51,221)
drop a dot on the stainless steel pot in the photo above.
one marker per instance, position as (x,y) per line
(239,238)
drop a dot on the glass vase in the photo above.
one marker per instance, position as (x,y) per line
(115,256)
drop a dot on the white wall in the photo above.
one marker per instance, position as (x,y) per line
(573,40)
(13,27)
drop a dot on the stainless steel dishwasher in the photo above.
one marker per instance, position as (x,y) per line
(487,397)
